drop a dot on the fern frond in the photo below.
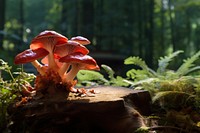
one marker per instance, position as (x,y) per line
(86,75)
(137,74)
(139,62)
(188,63)
(163,62)
(141,82)
(109,71)
(193,69)
(119,81)
(136,61)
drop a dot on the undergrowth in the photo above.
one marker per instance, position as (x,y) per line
(176,91)
(10,89)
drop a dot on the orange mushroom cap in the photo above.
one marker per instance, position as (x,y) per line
(48,40)
(48,37)
(81,40)
(84,61)
(63,50)
(70,47)
(30,55)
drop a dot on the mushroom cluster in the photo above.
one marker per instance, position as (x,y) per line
(61,59)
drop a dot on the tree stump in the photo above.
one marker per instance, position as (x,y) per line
(113,110)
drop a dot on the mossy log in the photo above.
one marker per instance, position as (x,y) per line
(113,110)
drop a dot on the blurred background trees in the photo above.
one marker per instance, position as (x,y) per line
(117,28)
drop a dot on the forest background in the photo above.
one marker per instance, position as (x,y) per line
(117,28)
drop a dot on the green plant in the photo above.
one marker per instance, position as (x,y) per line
(170,89)
(11,89)
(87,78)
(165,82)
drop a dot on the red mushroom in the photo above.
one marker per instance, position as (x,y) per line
(63,50)
(81,40)
(78,62)
(48,40)
(69,48)
(30,55)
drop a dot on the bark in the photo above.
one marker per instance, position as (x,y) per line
(21,19)
(2,20)
(172,26)
(64,17)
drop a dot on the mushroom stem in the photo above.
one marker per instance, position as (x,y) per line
(63,69)
(72,73)
(52,64)
(38,66)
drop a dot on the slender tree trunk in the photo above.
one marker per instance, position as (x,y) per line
(88,18)
(21,19)
(151,33)
(140,29)
(172,26)
(79,17)
(2,20)
(98,23)
(189,31)
(64,17)
(162,39)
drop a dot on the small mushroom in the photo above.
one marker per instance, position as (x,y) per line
(48,40)
(78,62)
(70,47)
(30,55)
(81,40)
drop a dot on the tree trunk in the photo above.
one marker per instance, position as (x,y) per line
(21,20)
(172,26)
(162,39)
(64,17)
(151,33)
(149,27)
(98,17)
(2,21)
(87,19)
(140,28)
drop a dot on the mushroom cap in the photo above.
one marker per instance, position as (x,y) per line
(70,47)
(81,40)
(46,38)
(63,50)
(30,55)
(85,62)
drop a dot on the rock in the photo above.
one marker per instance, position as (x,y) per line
(113,110)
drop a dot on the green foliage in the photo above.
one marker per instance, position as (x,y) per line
(163,62)
(168,88)
(86,77)
(188,65)
(11,89)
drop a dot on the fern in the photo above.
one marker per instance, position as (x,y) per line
(136,61)
(188,64)
(10,89)
(137,74)
(86,75)
(109,71)
(139,62)
(163,62)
